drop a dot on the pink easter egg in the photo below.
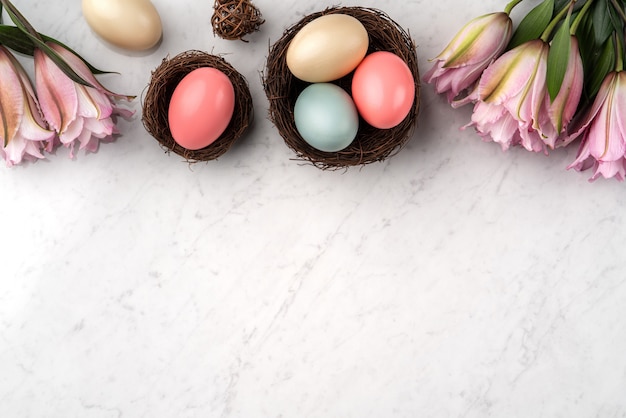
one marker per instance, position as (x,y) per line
(383,89)
(201,108)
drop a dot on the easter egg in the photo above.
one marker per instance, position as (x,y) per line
(327,48)
(201,108)
(129,24)
(326,117)
(383,89)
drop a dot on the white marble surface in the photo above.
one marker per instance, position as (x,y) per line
(453,280)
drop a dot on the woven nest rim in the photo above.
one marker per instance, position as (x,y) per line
(162,84)
(371,144)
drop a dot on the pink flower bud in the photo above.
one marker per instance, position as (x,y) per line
(476,46)
(77,113)
(23,132)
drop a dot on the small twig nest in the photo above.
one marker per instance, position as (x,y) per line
(371,144)
(157,99)
(233,19)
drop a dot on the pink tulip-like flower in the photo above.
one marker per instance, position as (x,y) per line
(23,133)
(77,113)
(510,96)
(472,50)
(603,147)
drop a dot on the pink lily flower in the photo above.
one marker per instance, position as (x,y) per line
(77,113)
(474,48)
(510,96)
(603,147)
(23,132)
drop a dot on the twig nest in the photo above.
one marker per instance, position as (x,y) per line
(283,89)
(164,81)
(233,19)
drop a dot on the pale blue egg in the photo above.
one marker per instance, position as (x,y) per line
(326,117)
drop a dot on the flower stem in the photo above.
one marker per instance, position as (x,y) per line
(580,17)
(545,36)
(19,19)
(509,7)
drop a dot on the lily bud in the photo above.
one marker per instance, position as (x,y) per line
(472,50)
(77,113)
(511,94)
(23,132)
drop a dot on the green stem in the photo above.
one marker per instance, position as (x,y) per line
(580,17)
(545,36)
(19,19)
(509,7)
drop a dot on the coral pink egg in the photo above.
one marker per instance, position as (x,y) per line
(383,89)
(201,108)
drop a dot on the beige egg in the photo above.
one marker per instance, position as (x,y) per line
(129,24)
(327,48)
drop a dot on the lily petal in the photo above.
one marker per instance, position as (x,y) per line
(510,75)
(11,99)
(475,42)
(598,102)
(82,70)
(57,94)
(476,46)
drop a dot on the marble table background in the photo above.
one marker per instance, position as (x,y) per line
(452,280)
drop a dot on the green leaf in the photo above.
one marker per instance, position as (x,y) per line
(17,40)
(589,51)
(60,62)
(602,25)
(560,4)
(17,18)
(558,58)
(93,69)
(23,25)
(616,21)
(533,25)
(600,68)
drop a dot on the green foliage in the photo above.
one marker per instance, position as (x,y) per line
(602,26)
(558,59)
(14,38)
(603,65)
(27,34)
(533,25)
(34,37)
(598,59)
(616,21)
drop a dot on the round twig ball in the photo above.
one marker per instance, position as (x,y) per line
(162,85)
(282,89)
(233,19)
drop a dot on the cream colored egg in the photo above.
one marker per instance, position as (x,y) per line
(327,48)
(129,24)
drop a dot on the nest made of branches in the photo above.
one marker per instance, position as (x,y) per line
(164,80)
(371,144)
(233,19)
